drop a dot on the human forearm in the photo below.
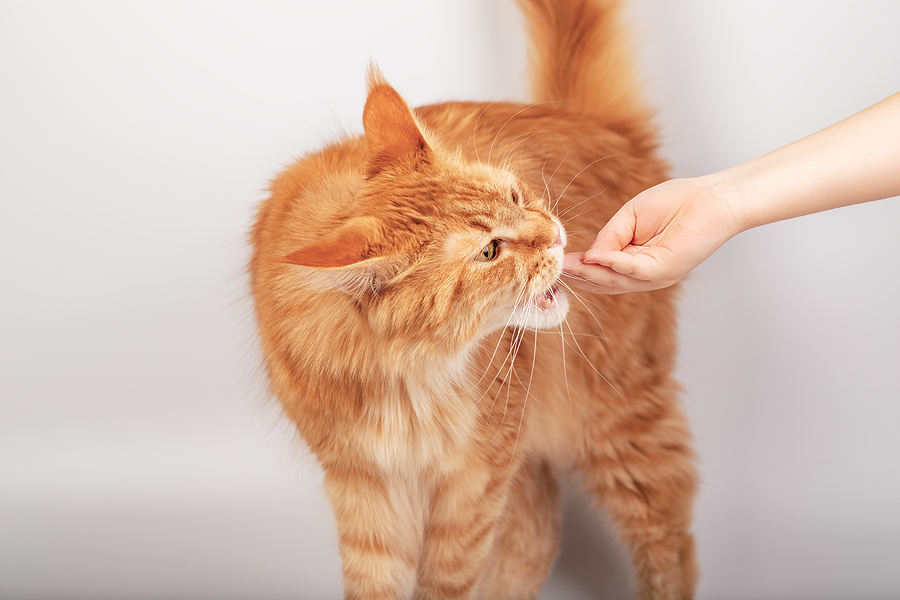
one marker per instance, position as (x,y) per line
(856,160)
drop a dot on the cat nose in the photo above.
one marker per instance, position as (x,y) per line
(560,238)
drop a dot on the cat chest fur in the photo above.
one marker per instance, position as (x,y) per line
(416,428)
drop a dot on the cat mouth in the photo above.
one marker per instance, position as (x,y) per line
(543,310)
(547,300)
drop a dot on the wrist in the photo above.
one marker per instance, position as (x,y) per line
(726,194)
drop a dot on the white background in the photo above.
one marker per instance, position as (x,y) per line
(139,456)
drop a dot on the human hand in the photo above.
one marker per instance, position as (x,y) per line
(656,238)
(664,232)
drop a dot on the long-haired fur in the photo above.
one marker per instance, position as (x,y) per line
(418,335)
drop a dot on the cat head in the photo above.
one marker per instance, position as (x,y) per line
(439,250)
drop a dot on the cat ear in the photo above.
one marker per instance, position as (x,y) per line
(392,134)
(346,245)
(346,258)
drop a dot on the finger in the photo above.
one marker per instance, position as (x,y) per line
(600,279)
(605,283)
(622,262)
(617,233)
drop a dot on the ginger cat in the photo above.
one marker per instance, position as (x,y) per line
(408,293)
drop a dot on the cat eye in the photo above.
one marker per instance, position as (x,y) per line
(515,197)
(489,252)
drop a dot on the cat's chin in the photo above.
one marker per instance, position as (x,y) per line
(543,312)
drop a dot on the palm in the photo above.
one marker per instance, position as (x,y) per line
(657,237)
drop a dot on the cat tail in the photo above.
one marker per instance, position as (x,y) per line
(581,54)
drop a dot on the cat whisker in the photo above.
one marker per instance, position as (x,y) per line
(589,335)
(580,232)
(581,351)
(475,130)
(591,365)
(518,336)
(505,123)
(552,206)
(563,349)
(518,145)
(585,303)
(566,222)
(586,200)
(519,295)
(491,359)
(487,370)
(515,344)
(525,400)
(585,168)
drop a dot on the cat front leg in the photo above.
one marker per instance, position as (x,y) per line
(527,539)
(379,525)
(643,474)
(459,532)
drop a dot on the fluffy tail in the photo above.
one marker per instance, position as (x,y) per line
(580,54)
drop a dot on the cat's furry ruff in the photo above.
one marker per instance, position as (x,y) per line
(405,288)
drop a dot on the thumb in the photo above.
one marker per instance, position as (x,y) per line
(615,236)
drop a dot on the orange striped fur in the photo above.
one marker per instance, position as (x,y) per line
(407,292)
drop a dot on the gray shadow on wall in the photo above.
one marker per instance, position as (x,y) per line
(592,562)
